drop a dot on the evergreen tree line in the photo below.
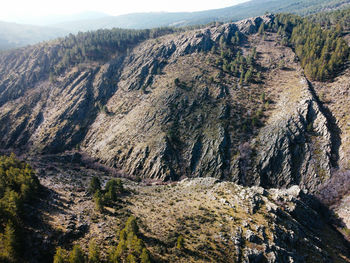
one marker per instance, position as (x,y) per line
(18,185)
(322,52)
(98,45)
(130,249)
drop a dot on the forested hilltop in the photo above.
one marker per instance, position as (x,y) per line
(227,142)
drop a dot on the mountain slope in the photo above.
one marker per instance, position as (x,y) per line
(165,108)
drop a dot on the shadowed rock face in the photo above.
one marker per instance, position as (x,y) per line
(130,113)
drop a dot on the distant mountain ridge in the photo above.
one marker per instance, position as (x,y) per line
(233,13)
(49,20)
(14,35)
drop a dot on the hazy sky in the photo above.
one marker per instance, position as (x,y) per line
(11,10)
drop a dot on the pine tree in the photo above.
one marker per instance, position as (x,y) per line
(222,42)
(60,256)
(145,257)
(94,254)
(76,255)
(261,30)
(258,76)
(120,250)
(248,76)
(12,202)
(241,80)
(131,225)
(138,245)
(254,53)
(238,39)
(131,259)
(95,185)
(180,244)
(10,243)
(262,97)
(98,198)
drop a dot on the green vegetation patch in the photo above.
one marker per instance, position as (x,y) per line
(18,185)
(322,52)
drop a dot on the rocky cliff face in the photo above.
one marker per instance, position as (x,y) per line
(165,110)
(295,148)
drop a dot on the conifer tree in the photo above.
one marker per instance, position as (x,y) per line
(180,243)
(60,256)
(76,255)
(145,257)
(95,185)
(10,243)
(261,30)
(248,76)
(99,201)
(94,254)
(131,259)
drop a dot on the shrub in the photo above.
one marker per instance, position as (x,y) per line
(180,243)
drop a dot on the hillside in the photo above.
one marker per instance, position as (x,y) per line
(197,118)
(231,141)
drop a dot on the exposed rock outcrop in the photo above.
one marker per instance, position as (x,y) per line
(295,148)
